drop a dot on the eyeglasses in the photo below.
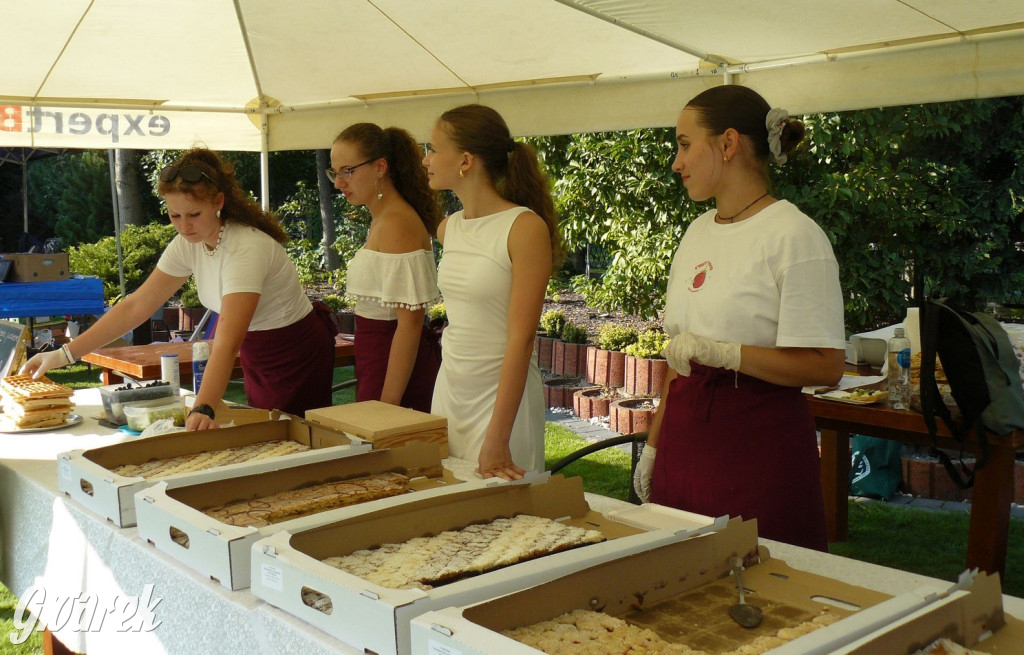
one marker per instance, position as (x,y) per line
(346,171)
(190,174)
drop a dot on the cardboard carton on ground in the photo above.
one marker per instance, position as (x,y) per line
(382,424)
(37,267)
(287,566)
(695,574)
(222,551)
(87,475)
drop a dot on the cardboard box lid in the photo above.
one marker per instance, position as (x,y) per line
(373,419)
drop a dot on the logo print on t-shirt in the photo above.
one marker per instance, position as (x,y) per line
(702,274)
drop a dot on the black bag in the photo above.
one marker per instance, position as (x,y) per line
(983,376)
(875,467)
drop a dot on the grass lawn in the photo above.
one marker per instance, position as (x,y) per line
(929,543)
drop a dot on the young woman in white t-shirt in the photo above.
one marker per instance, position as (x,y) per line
(755,312)
(233,248)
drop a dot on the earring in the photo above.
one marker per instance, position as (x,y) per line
(725,158)
(462,174)
(380,188)
(218,213)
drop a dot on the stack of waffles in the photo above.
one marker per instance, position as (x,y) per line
(29,403)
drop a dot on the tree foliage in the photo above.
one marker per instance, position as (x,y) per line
(141,247)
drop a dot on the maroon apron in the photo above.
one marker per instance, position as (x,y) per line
(733,444)
(291,368)
(373,348)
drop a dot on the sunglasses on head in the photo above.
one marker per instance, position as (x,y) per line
(190,174)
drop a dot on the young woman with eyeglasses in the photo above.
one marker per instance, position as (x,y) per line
(499,252)
(233,248)
(393,277)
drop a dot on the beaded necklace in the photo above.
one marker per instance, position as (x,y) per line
(209,252)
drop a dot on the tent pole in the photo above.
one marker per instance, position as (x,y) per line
(117,220)
(264,162)
(24,194)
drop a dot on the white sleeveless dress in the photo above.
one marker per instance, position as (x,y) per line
(475,278)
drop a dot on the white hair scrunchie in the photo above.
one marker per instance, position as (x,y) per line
(775,121)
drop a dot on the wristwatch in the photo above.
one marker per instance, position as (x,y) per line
(205,410)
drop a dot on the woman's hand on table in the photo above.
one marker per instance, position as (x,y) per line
(197,421)
(496,462)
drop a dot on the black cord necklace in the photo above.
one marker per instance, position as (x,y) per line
(722,219)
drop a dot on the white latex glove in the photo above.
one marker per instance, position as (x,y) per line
(644,473)
(687,347)
(43,362)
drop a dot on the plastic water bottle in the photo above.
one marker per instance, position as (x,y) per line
(200,355)
(169,371)
(899,370)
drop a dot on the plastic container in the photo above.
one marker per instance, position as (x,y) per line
(899,370)
(200,355)
(142,414)
(169,371)
(116,395)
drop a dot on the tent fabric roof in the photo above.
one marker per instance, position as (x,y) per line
(265,74)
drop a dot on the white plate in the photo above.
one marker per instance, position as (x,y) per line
(845,397)
(73,419)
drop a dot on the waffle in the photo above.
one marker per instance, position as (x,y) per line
(946,647)
(286,505)
(915,370)
(162,468)
(24,387)
(29,403)
(427,562)
(584,631)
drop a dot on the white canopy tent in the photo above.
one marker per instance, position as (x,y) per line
(270,75)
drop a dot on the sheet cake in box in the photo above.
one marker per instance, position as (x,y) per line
(176,521)
(681,592)
(382,424)
(90,477)
(288,571)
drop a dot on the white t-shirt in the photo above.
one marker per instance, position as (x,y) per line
(246,261)
(771,280)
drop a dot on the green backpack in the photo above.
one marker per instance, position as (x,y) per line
(983,375)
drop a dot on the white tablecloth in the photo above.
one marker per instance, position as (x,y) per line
(49,541)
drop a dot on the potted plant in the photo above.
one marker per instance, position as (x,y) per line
(593,402)
(559,390)
(606,361)
(569,354)
(644,367)
(342,306)
(631,415)
(191,311)
(548,333)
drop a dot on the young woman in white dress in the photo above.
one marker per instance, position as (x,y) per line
(499,252)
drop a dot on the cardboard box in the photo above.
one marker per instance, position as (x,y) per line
(37,267)
(87,475)
(222,551)
(971,616)
(374,618)
(699,566)
(384,425)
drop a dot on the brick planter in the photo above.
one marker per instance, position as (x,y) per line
(558,391)
(542,348)
(927,478)
(644,377)
(630,415)
(605,367)
(593,402)
(189,317)
(569,359)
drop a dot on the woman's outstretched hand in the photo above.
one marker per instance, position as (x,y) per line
(496,462)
